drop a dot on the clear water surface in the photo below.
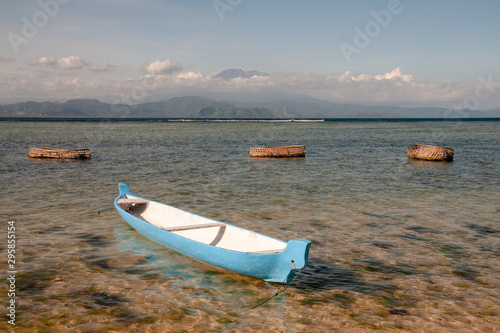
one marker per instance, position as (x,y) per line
(397,245)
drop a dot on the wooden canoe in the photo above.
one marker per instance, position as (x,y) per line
(281,151)
(59,153)
(216,243)
(430,153)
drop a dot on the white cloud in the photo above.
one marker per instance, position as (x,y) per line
(394,74)
(68,63)
(190,76)
(163,67)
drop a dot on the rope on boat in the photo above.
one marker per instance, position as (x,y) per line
(279,291)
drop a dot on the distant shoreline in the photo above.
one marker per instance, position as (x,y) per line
(243,120)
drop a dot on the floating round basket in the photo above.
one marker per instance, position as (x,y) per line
(430,153)
(282,151)
(59,153)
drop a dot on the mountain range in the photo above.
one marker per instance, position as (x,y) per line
(200,107)
(230,74)
(292,106)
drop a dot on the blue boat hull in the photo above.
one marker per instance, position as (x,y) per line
(273,267)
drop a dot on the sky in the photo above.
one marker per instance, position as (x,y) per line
(390,52)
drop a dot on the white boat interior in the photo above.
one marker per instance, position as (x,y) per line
(199,228)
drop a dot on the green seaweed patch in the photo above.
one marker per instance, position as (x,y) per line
(399,312)
(303,321)
(147,277)
(205,291)
(50,321)
(178,313)
(229,319)
(467,273)
(453,251)
(140,272)
(383,245)
(90,298)
(493,250)
(319,225)
(424,230)
(379,267)
(35,281)
(31,287)
(380,216)
(435,289)
(485,314)
(93,239)
(313,300)
(248,292)
(211,273)
(485,230)
(99,264)
(103,264)
(343,299)
(322,275)
(126,316)
(106,299)
(390,302)
(102,303)
(51,230)
(412,237)
(122,316)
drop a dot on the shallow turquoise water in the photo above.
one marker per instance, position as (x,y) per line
(389,234)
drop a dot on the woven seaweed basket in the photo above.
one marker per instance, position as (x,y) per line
(430,153)
(281,151)
(56,153)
